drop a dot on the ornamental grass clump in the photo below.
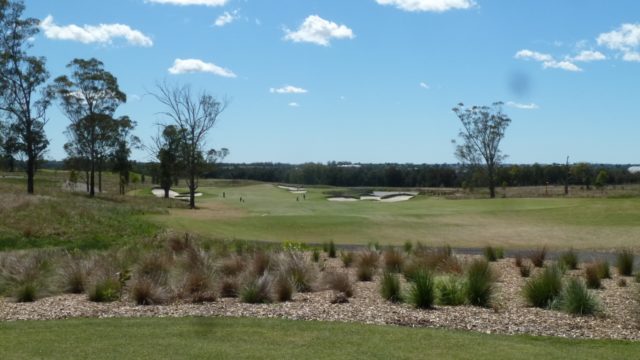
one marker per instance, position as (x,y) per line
(347,258)
(73,273)
(479,283)
(625,263)
(537,257)
(569,260)
(283,288)
(393,260)
(198,271)
(390,287)
(339,282)
(331,252)
(450,290)
(525,270)
(490,254)
(105,289)
(298,269)
(257,290)
(25,276)
(422,290)
(604,270)
(541,290)
(592,276)
(367,265)
(145,291)
(575,299)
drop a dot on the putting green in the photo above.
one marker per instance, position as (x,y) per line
(273,214)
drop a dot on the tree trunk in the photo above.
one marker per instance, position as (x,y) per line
(100,177)
(192,190)
(30,173)
(86,178)
(166,192)
(92,179)
(492,185)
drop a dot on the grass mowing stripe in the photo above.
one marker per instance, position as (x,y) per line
(244,338)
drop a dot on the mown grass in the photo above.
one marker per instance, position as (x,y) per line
(237,338)
(273,214)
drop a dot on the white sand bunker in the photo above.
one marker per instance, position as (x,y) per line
(381,196)
(293,189)
(172,194)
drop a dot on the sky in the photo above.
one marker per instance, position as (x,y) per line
(366,80)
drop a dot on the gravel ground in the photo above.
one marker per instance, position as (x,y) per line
(510,315)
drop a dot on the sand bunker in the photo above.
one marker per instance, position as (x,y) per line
(293,189)
(381,196)
(172,194)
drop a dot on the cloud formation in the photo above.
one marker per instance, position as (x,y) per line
(187,66)
(288,89)
(588,56)
(87,34)
(429,5)
(190,2)
(294,104)
(226,18)
(548,62)
(317,30)
(516,105)
(624,39)
(424,85)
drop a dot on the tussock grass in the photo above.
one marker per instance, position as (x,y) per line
(592,276)
(569,260)
(537,257)
(577,300)
(624,262)
(422,290)
(339,282)
(390,287)
(347,258)
(479,283)
(450,290)
(541,290)
(393,260)
(257,290)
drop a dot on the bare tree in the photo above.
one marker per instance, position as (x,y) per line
(23,96)
(194,116)
(483,129)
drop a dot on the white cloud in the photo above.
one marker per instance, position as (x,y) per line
(516,105)
(589,55)
(190,2)
(625,39)
(429,5)
(533,55)
(288,89)
(319,31)
(102,34)
(184,66)
(548,62)
(424,85)
(227,18)
(294,104)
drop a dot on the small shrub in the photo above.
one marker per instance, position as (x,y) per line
(390,287)
(229,287)
(199,287)
(490,254)
(575,299)
(347,258)
(26,292)
(369,258)
(315,255)
(256,290)
(537,257)
(332,250)
(365,273)
(393,260)
(232,266)
(625,263)
(283,288)
(450,290)
(408,247)
(604,270)
(421,292)
(569,260)
(592,276)
(518,261)
(260,263)
(622,282)
(479,283)
(104,290)
(339,282)
(525,271)
(499,252)
(145,291)
(541,290)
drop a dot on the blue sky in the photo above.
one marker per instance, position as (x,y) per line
(367,80)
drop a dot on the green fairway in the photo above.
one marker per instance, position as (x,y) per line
(273,214)
(228,338)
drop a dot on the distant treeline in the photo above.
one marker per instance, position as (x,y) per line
(425,175)
(400,175)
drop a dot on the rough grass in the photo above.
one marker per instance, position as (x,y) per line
(541,290)
(236,338)
(577,300)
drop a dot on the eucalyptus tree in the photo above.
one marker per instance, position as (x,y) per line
(122,145)
(167,150)
(193,116)
(483,128)
(89,97)
(24,97)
